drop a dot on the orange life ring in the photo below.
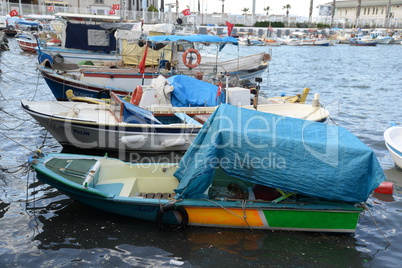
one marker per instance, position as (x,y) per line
(190,63)
(137,95)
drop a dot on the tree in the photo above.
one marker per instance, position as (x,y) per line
(266,9)
(245,10)
(310,14)
(223,6)
(287,7)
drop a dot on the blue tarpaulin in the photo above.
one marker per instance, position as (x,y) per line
(136,115)
(77,37)
(309,158)
(191,92)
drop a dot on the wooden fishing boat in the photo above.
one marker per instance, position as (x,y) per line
(119,126)
(90,80)
(27,45)
(210,188)
(393,141)
(145,124)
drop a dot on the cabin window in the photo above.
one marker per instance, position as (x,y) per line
(364,11)
(99,1)
(382,11)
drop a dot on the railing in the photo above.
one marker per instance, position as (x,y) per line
(203,18)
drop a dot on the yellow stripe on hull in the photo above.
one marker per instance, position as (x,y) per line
(223,217)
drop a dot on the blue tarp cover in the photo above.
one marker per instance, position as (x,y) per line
(310,158)
(77,37)
(27,22)
(189,91)
(136,115)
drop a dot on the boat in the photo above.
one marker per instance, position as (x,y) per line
(272,41)
(382,35)
(83,38)
(360,41)
(226,180)
(321,42)
(118,126)
(170,116)
(90,81)
(393,141)
(27,44)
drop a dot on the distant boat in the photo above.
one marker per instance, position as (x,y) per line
(357,41)
(393,141)
(222,175)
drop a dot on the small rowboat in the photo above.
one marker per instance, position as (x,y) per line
(236,174)
(393,141)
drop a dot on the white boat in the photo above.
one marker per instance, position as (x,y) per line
(393,141)
(155,120)
(322,42)
(382,36)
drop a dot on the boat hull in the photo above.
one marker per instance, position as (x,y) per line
(102,133)
(393,141)
(27,45)
(310,215)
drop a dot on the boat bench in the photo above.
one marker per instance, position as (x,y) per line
(112,186)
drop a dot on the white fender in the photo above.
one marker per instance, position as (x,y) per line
(174,142)
(133,139)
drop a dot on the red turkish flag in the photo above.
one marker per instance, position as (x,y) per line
(13,13)
(50,8)
(112,12)
(186,12)
(116,7)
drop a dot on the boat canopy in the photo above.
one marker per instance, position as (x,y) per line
(295,155)
(203,38)
(89,37)
(191,92)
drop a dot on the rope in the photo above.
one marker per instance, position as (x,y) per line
(366,207)
(244,203)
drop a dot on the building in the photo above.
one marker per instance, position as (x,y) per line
(372,12)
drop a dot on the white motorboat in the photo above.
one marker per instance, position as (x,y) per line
(393,141)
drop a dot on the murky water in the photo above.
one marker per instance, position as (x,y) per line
(41,227)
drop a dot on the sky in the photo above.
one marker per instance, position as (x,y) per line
(298,7)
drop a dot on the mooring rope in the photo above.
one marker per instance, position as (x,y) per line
(372,217)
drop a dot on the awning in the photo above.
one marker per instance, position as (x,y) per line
(56,3)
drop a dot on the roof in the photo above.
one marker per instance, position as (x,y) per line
(364,3)
(88,17)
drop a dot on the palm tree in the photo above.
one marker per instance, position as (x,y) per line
(245,10)
(267,9)
(358,8)
(333,12)
(223,6)
(287,7)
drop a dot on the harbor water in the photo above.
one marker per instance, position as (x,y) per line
(42,227)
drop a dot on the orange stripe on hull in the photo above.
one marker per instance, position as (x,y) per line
(220,216)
